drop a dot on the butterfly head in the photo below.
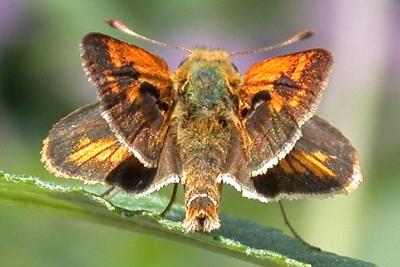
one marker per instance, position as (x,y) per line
(210,72)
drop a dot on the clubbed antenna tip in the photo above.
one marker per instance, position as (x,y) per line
(295,38)
(124,28)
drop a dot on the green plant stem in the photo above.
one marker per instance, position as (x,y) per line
(237,238)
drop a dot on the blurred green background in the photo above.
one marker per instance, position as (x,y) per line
(41,80)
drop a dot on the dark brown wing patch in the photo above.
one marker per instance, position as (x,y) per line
(278,96)
(322,162)
(134,90)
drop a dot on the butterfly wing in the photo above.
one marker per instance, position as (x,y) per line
(323,162)
(82,146)
(135,93)
(278,96)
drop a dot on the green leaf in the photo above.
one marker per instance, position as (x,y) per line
(237,238)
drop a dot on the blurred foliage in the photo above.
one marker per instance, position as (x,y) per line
(41,80)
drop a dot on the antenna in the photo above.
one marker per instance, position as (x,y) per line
(124,28)
(295,38)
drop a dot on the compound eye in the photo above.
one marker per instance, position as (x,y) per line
(234,67)
(183,62)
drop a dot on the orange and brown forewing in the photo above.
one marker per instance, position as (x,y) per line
(322,162)
(278,95)
(135,92)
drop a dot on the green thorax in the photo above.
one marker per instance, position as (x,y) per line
(206,87)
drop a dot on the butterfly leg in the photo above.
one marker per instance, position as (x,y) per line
(295,234)
(171,201)
(110,192)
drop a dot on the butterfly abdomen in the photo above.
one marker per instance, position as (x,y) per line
(203,145)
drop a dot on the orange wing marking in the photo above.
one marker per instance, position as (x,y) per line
(313,164)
